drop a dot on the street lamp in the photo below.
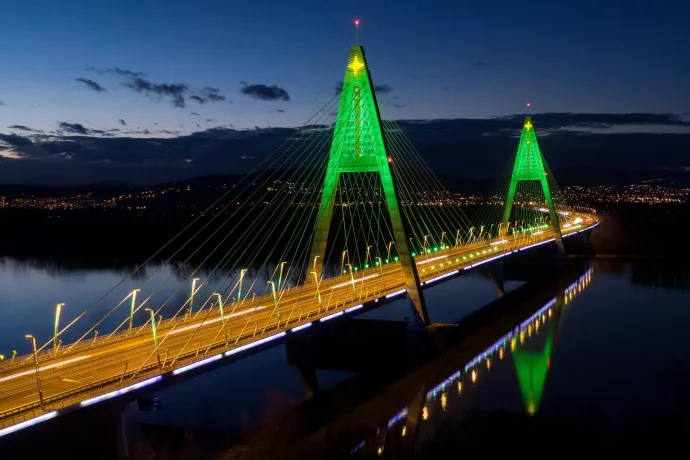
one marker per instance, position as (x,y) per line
(342,260)
(352,279)
(315,257)
(411,243)
(316,280)
(280,275)
(424,244)
(380,263)
(222,316)
(131,308)
(442,235)
(368,254)
(155,336)
(191,296)
(457,238)
(38,377)
(275,299)
(58,309)
(153,326)
(239,290)
(389,250)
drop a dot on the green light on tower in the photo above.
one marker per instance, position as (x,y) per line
(359,146)
(529,166)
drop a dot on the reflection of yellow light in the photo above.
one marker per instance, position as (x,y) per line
(488,364)
(522,336)
(536,326)
(444,401)
(380,451)
(356,65)
(543,319)
(459,387)
(528,125)
(474,376)
(529,331)
(404,430)
(425,413)
(531,408)
(500,353)
(549,313)
(512,344)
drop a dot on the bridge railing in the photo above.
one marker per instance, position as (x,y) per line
(246,336)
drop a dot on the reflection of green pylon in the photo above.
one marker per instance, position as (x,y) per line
(533,367)
(529,166)
(359,146)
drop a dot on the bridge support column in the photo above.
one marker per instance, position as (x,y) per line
(299,354)
(529,166)
(129,432)
(359,146)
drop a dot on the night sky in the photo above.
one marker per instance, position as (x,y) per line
(453,59)
(154,68)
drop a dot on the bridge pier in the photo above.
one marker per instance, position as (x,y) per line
(109,430)
(299,355)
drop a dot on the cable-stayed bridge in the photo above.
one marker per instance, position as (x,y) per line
(343,217)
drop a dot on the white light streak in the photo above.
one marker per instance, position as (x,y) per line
(356,281)
(119,392)
(44,368)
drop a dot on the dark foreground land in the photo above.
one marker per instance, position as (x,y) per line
(97,237)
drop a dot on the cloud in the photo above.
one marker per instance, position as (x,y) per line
(566,140)
(122,122)
(15,140)
(210,119)
(383,89)
(73,128)
(208,94)
(195,114)
(212,94)
(21,128)
(118,71)
(1,103)
(174,91)
(265,93)
(480,63)
(91,84)
(280,110)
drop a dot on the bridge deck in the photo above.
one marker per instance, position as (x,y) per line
(92,370)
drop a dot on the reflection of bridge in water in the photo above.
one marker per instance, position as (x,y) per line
(399,232)
(531,368)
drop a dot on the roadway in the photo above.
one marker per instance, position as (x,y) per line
(126,358)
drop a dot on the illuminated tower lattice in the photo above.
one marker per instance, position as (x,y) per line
(529,166)
(359,146)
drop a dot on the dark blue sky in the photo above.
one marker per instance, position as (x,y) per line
(441,59)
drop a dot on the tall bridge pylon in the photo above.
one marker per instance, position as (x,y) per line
(529,166)
(359,146)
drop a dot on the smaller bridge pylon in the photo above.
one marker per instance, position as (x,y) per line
(530,167)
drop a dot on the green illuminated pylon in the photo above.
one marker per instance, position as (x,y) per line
(529,166)
(533,367)
(359,146)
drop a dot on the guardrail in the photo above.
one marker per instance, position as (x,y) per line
(77,395)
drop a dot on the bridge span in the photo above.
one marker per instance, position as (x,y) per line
(96,370)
